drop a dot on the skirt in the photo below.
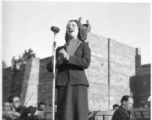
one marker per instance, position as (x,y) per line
(72,102)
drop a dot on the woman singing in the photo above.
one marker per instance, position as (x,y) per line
(71,82)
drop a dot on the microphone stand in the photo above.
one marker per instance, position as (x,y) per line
(54,76)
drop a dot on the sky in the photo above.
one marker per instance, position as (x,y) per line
(27,24)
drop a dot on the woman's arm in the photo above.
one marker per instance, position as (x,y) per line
(50,66)
(83,61)
(58,61)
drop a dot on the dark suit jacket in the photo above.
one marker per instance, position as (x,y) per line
(73,69)
(121,114)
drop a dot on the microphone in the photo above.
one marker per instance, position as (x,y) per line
(55,29)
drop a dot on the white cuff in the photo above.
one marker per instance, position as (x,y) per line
(67,57)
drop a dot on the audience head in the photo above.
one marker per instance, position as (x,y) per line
(15,101)
(6,106)
(127,102)
(41,105)
(80,18)
(87,21)
(131,94)
(115,106)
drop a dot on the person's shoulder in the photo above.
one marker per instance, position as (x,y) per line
(118,111)
(119,114)
(121,111)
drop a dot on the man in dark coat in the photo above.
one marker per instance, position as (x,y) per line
(122,113)
(21,112)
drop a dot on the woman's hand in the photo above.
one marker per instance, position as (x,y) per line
(16,114)
(63,55)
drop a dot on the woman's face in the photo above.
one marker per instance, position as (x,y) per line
(72,29)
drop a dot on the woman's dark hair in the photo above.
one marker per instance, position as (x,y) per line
(10,98)
(82,33)
(115,105)
(6,101)
(42,103)
(125,98)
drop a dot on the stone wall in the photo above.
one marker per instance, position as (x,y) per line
(111,67)
(97,73)
(29,92)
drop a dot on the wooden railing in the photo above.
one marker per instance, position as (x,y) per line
(104,115)
(141,114)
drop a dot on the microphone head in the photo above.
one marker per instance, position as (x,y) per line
(55,29)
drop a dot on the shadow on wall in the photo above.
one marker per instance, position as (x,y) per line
(140,86)
(12,81)
(137,60)
(7,83)
(45,82)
